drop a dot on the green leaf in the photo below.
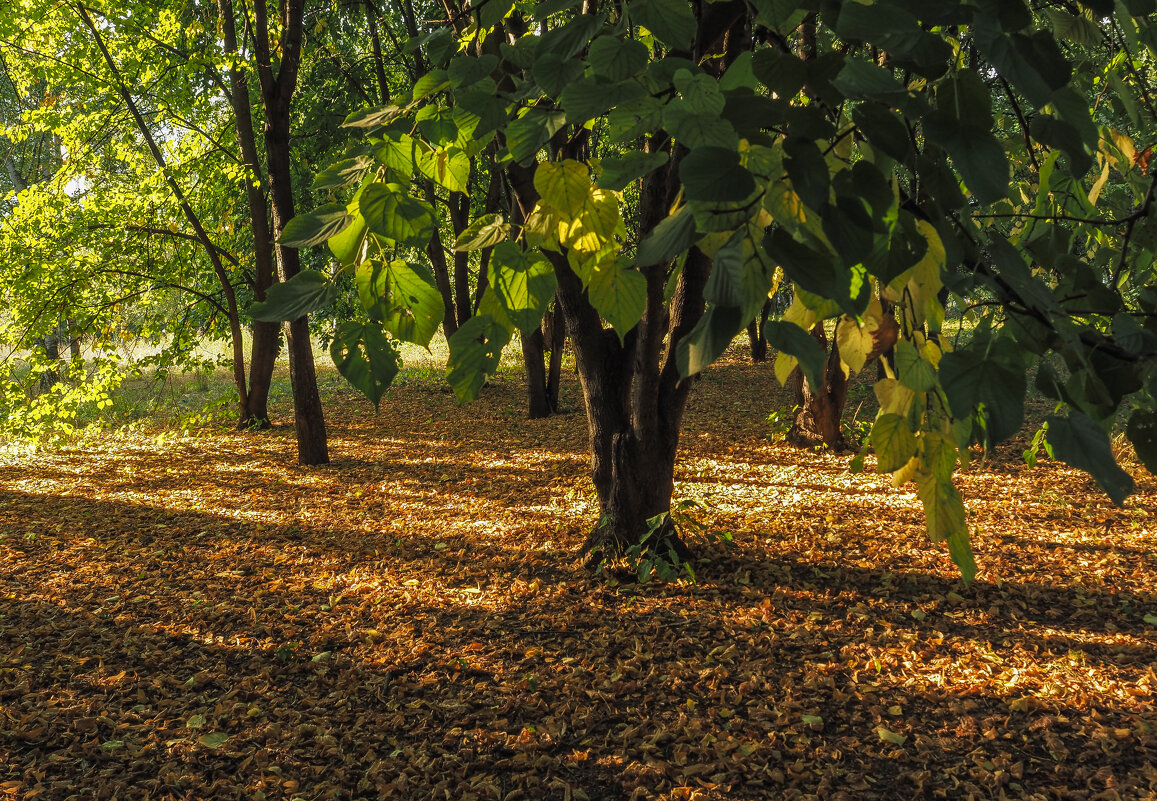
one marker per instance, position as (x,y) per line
(450,167)
(699,92)
(697,128)
(630,120)
(523,282)
(619,171)
(975,152)
(707,341)
(343,173)
(946,518)
(303,293)
(391,212)
(404,298)
(860,80)
(789,338)
(1033,64)
(1077,29)
(893,441)
(619,294)
(346,246)
(475,351)
(569,40)
(915,373)
(564,185)
(885,129)
(616,58)
(526,135)
(1142,432)
(365,358)
(725,284)
(371,117)
(432,82)
(553,73)
(780,72)
(593,96)
(971,378)
(465,69)
(672,236)
(670,21)
(486,231)
(307,230)
(714,174)
(213,740)
(1079,441)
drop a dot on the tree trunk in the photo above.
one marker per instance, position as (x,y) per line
(264,347)
(73,342)
(554,332)
(755,337)
(51,375)
(820,408)
(379,63)
(277,94)
(533,354)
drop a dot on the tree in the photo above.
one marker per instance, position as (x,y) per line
(664,157)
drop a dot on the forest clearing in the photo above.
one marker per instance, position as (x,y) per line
(196,617)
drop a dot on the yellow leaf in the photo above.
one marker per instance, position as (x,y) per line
(564,185)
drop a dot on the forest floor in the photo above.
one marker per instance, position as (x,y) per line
(196,616)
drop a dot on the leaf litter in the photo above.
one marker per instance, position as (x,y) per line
(199,617)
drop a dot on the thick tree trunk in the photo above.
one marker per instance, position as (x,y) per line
(820,408)
(277,94)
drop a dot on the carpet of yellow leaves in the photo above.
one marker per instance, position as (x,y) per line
(199,617)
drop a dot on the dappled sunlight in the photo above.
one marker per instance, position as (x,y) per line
(420,598)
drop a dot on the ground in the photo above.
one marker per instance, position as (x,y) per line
(196,616)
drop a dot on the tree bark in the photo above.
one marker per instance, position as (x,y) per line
(817,421)
(51,375)
(264,347)
(277,90)
(379,63)
(755,339)
(554,332)
(533,353)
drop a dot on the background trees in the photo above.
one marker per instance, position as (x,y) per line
(642,176)
(661,160)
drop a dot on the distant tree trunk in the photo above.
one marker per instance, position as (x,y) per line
(817,422)
(73,342)
(264,347)
(554,332)
(820,408)
(50,344)
(543,375)
(376,44)
(533,355)
(277,94)
(755,337)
